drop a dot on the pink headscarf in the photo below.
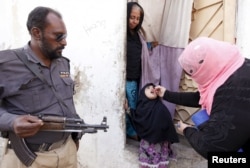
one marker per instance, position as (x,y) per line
(210,63)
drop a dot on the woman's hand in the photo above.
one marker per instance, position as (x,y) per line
(181,126)
(160,90)
(125,105)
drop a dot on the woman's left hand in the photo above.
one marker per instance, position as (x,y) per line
(181,126)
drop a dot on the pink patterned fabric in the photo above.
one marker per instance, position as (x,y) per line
(155,155)
(210,63)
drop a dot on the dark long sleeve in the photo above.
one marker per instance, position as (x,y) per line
(227,129)
(190,99)
(193,137)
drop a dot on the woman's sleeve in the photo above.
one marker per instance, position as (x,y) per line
(190,99)
(225,130)
(194,138)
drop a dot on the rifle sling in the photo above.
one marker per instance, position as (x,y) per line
(25,155)
(35,69)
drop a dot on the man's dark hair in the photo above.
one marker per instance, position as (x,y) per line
(37,17)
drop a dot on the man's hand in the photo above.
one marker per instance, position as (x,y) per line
(27,125)
(160,90)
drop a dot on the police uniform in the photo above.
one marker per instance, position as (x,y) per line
(22,93)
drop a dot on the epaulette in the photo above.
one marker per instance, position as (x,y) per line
(66,58)
(7,55)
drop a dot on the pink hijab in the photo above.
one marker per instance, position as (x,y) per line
(210,63)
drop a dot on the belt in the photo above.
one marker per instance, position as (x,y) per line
(44,146)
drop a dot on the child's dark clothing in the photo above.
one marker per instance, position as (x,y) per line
(154,125)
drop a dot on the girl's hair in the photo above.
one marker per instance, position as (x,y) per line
(130,6)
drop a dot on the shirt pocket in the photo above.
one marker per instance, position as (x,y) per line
(66,88)
(28,96)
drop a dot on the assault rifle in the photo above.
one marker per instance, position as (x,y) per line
(55,124)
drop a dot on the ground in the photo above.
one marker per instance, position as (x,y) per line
(186,156)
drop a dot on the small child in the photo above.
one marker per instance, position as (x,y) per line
(154,125)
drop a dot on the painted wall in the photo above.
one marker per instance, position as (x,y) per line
(96,41)
(243,27)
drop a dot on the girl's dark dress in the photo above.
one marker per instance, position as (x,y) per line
(154,125)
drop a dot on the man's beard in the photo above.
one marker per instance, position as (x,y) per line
(48,51)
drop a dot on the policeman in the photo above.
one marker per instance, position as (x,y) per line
(24,95)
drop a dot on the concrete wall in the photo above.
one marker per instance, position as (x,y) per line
(96,43)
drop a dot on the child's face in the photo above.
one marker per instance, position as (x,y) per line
(150,92)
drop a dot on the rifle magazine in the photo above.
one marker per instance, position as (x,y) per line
(22,151)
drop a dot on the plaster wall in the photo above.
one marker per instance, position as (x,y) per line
(96,42)
(96,48)
(243,27)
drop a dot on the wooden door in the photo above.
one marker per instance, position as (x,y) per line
(210,18)
(214,18)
